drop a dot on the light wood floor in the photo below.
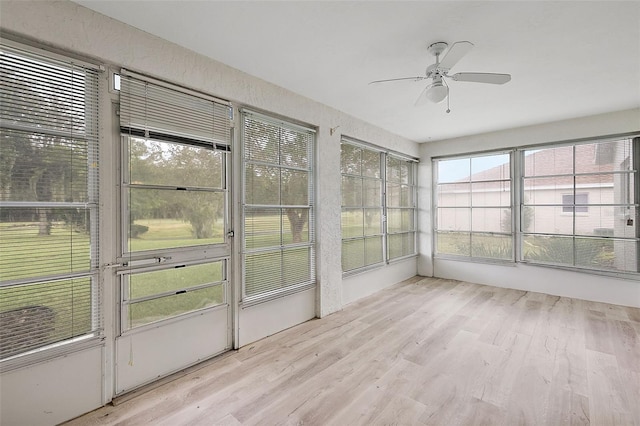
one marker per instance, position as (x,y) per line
(426,351)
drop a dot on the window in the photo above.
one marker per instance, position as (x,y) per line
(400,207)
(278,214)
(473,206)
(578,203)
(378,206)
(362,207)
(49,287)
(579,200)
(175,149)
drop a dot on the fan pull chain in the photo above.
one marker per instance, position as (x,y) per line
(448,96)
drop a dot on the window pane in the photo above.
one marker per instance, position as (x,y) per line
(295,226)
(174,279)
(162,218)
(401,245)
(263,272)
(491,220)
(550,220)
(352,223)
(40,314)
(399,195)
(596,189)
(457,170)
(163,163)
(492,246)
(295,187)
(261,141)
(350,159)
(548,249)
(454,219)
(36,242)
(372,221)
(457,243)
(370,163)
(624,255)
(351,191)
(293,148)
(491,193)
(262,185)
(548,161)
(353,254)
(399,220)
(547,190)
(454,195)
(490,167)
(399,171)
(296,266)
(372,192)
(45,168)
(604,156)
(262,228)
(141,313)
(373,250)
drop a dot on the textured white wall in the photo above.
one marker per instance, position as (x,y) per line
(580,285)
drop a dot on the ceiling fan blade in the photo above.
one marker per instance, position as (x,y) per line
(455,53)
(482,77)
(398,79)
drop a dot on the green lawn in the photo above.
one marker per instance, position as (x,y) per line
(169,233)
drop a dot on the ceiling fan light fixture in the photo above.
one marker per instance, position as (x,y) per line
(437,92)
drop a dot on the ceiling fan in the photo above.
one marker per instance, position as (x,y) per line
(438,90)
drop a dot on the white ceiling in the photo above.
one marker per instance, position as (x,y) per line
(567,58)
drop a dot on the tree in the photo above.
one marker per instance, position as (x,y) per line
(176,165)
(38,164)
(286,182)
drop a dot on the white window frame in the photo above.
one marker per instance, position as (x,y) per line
(470,207)
(285,124)
(91,135)
(385,234)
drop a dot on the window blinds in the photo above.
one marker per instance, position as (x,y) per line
(152,109)
(49,200)
(278,244)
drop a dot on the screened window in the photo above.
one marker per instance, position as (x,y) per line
(400,207)
(278,197)
(362,207)
(49,288)
(581,206)
(473,207)
(378,206)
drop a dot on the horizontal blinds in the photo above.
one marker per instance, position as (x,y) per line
(148,107)
(277,207)
(362,206)
(49,200)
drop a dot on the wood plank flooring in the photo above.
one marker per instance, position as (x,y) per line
(425,351)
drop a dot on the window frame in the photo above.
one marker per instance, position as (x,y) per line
(518,205)
(633,173)
(514,217)
(385,155)
(90,115)
(286,124)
